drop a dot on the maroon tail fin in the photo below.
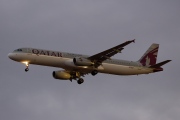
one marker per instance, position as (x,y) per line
(150,56)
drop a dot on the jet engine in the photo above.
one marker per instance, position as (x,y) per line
(82,61)
(63,75)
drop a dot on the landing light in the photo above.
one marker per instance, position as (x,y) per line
(85,66)
(25,62)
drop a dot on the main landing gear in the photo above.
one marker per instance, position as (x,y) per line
(76,76)
(94,72)
(80,81)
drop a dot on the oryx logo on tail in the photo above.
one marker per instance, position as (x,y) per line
(150,56)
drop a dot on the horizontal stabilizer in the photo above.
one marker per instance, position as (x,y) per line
(160,64)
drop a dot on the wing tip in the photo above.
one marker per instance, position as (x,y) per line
(130,41)
(133,40)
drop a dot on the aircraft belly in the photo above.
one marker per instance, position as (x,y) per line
(124,70)
(48,61)
(69,65)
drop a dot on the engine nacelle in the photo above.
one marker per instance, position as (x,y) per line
(63,75)
(82,61)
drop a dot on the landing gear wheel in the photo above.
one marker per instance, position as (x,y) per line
(94,72)
(80,81)
(27,69)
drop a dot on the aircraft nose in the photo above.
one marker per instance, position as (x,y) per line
(10,55)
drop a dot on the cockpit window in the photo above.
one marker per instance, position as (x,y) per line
(19,50)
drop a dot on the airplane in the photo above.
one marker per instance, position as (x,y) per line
(77,65)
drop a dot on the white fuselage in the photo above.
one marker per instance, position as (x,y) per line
(65,61)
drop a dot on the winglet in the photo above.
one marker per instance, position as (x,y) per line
(133,40)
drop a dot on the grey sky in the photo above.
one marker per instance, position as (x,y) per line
(89,27)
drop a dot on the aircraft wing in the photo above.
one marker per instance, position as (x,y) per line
(97,59)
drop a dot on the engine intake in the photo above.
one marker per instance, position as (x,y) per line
(78,61)
(63,75)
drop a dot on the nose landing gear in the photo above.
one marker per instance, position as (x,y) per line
(27,69)
(27,66)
